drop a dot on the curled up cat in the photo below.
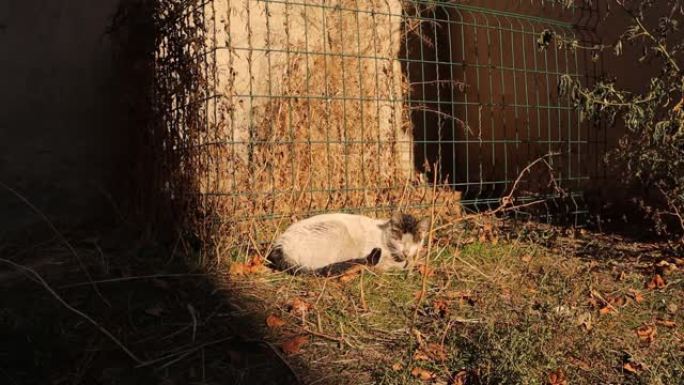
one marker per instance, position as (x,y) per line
(330,244)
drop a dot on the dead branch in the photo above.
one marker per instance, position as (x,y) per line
(33,274)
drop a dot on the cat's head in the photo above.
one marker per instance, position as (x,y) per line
(405,236)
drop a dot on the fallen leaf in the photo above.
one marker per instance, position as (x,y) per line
(646,333)
(672,308)
(636,296)
(666,267)
(423,374)
(419,336)
(154,311)
(666,323)
(557,377)
(581,364)
(607,310)
(633,367)
(527,258)
(441,307)
(274,322)
(351,274)
(238,268)
(397,366)
(657,282)
(617,300)
(294,345)
(432,352)
(419,355)
(256,264)
(459,378)
(299,306)
(426,271)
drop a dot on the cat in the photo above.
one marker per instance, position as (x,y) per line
(330,244)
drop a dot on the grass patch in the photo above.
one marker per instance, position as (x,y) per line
(505,313)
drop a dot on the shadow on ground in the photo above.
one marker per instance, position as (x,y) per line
(169,313)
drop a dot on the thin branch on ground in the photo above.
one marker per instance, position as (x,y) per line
(59,235)
(33,274)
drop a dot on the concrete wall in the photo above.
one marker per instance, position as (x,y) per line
(60,133)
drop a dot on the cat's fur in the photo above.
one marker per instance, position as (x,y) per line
(329,244)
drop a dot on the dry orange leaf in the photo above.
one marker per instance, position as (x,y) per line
(419,355)
(351,274)
(254,265)
(646,333)
(238,268)
(273,321)
(606,310)
(423,374)
(527,258)
(581,364)
(441,307)
(432,352)
(294,345)
(633,367)
(657,282)
(348,277)
(426,271)
(636,296)
(299,306)
(397,366)
(617,300)
(557,377)
(666,323)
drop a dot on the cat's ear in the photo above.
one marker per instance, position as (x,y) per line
(424,226)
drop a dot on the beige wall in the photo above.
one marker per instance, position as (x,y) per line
(60,138)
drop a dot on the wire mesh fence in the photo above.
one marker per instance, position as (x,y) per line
(273,110)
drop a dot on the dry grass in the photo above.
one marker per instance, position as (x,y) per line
(497,310)
(497,313)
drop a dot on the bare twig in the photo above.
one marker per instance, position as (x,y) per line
(33,274)
(135,278)
(507,201)
(426,265)
(59,235)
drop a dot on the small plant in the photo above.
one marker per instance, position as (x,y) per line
(651,153)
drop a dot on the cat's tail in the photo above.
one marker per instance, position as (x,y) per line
(276,259)
(340,268)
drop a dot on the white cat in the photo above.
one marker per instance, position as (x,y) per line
(329,244)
